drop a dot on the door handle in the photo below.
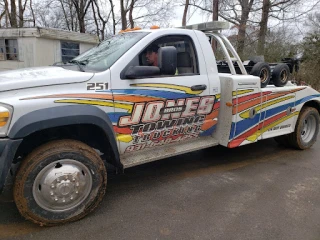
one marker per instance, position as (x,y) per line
(198,87)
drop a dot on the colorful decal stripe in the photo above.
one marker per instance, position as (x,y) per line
(241,127)
(105,96)
(254,137)
(98,103)
(253,134)
(246,114)
(255,101)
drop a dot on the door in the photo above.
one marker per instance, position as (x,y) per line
(163,109)
(247,113)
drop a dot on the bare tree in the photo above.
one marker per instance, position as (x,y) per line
(33,15)
(81,7)
(113,16)
(215,17)
(124,10)
(263,26)
(11,12)
(101,31)
(184,18)
(22,8)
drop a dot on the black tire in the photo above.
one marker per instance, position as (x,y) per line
(304,137)
(280,75)
(26,191)
(262,70)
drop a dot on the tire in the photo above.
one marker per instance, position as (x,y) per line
(262,70)
(306,130)
(59,182)
(280,75)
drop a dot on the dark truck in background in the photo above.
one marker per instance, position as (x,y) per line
(277,74)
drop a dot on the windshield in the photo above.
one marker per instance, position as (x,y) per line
(103,56)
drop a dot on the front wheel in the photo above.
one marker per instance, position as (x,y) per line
(59,182)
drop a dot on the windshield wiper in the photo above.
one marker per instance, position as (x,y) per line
(79,63)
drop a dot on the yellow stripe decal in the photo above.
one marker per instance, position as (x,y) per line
(246,114)
(124,138)
(99,103)
(254,137)
(169,86)
(241,92)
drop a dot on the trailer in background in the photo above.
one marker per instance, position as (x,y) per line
(33,47)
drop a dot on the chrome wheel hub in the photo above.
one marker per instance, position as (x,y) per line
(308,129)
(62,185)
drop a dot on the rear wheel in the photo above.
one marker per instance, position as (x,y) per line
(306,130)
(61,181)
(262,70)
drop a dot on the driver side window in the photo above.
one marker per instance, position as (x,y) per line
(154,53)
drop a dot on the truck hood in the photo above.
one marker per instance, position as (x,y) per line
(40,76)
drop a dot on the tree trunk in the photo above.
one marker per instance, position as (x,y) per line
(13,14)
(113,17)
(33,16)
(185,12)
(215,17)
(123,15)
(95,20)
(22,8)
(263,26)
(65,15)
(130,13)
(246,8)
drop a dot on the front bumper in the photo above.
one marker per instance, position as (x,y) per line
(8,148)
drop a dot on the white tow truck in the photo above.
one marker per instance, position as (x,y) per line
(60,126)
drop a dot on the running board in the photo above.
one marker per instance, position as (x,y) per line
(170,150)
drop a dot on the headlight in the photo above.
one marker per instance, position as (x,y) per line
(5,117)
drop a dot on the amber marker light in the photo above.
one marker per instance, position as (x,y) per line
(154,27)
(229,104)
(4,116)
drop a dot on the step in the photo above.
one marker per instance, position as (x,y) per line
(166,151)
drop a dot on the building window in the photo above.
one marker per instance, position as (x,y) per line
(69,50)
(9,49)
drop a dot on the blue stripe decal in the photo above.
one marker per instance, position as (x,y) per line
(209,131)
(114,117)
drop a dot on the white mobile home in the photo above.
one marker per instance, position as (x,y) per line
(32,47)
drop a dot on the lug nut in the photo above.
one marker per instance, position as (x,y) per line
(63,200)
(71,198)
(51,193)
(52,186)
(77,184)
(77,192)
(56,199)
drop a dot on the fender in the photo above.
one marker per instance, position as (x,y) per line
(62,116)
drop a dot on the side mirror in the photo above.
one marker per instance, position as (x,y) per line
(142,71)
(167,60)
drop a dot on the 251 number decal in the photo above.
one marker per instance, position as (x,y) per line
(97,86)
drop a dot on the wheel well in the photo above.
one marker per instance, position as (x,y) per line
(89,134)
(313,104)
